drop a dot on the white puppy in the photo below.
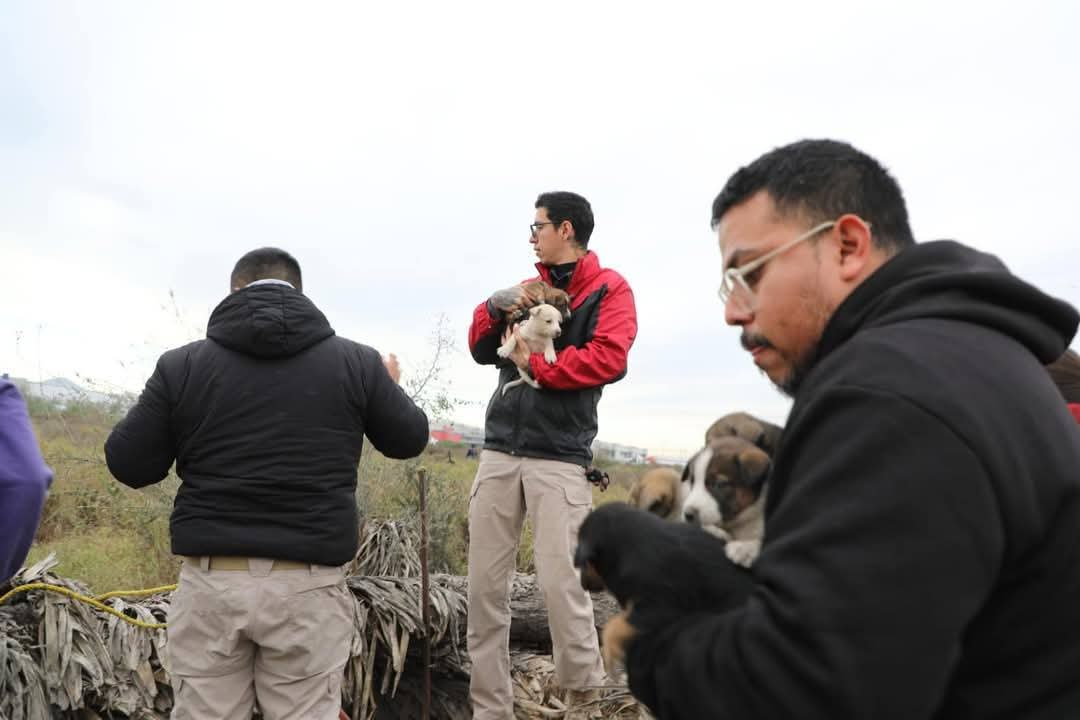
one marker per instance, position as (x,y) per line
(543,325)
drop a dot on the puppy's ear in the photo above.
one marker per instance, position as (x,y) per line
(753,466)
(769,440)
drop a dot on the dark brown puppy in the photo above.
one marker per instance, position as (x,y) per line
(641,558)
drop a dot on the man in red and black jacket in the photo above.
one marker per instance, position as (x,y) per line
(536,449)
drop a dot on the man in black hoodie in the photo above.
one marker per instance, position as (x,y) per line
(265,419)
(922,536)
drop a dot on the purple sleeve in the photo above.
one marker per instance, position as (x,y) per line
(24,478)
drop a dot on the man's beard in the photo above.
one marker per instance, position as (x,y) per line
(818,313)
(800,366)
(799,370)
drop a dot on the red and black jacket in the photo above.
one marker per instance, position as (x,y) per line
(558,421)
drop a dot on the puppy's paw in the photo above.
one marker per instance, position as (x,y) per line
(743,552)
(617,634)
(549,355)
(504,351)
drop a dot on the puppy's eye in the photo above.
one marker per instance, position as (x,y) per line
(716,482)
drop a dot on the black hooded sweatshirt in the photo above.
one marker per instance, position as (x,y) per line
(922,534)
(266,421)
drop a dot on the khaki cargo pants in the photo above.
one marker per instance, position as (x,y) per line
(557,497)
(251,630)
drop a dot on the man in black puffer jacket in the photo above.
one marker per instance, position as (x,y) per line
(922,531)
(265,419)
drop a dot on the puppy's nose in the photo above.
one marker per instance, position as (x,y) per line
(690,515)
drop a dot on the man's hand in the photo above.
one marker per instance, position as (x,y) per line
(513,300)
(392,367)
(520,354)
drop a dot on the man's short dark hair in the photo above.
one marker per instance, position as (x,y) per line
(570,206)
(822,180)
(264,264)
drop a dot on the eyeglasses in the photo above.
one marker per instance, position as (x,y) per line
(734,286)
(535,227)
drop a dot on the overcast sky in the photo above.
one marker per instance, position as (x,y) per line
(397,149)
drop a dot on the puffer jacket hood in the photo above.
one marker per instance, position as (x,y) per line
(268,321)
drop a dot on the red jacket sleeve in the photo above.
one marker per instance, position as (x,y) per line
(485,335)
(600,361)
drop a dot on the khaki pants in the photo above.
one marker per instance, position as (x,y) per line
(557,497)
(276,637)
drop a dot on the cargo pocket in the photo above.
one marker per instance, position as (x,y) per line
(322,622)
(578,505)
(204,633)
(578,492)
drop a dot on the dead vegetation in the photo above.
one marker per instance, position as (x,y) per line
(60,657)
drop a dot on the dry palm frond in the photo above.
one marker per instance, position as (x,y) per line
(22,683)
(391,618)
(387,548)
(54,649)
(87,659)
(537,696)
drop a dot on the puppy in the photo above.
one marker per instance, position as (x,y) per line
(548,295)
(538,332)
(740,424)
(646,561)
(724,486)
(658,492)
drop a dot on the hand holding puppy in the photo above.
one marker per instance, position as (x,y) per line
(519,355)
(512,300)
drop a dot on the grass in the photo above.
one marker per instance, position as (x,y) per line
(111,537)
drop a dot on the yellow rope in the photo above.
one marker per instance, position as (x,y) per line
(136,593)
(95,602)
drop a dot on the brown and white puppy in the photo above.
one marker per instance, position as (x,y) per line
(740,424)
(538,332)
(724,488)
(657,491)
(548,295)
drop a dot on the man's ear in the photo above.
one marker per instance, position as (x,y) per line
(856,245)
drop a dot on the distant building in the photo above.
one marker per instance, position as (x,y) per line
(628,454)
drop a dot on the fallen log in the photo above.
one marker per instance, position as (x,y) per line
(528,613)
